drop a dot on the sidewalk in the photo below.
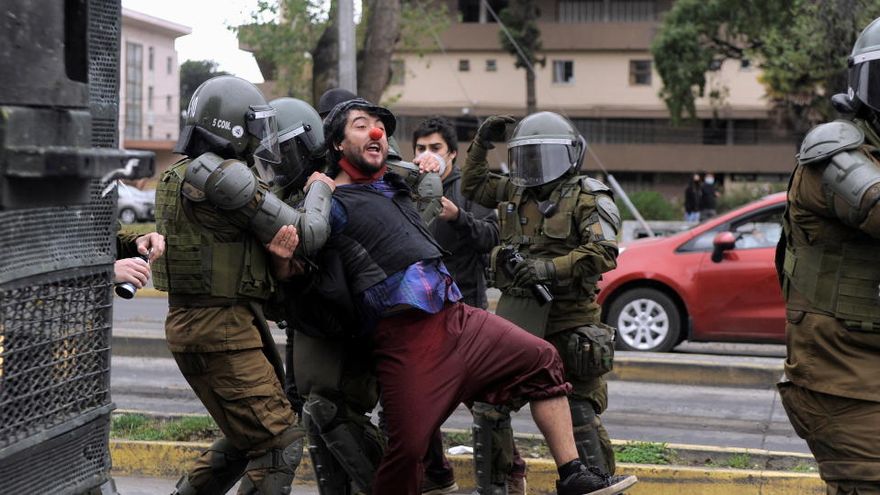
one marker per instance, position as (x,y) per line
(165,460)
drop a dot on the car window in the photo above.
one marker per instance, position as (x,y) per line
(758,231)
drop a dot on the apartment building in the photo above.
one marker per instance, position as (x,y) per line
(149,93)
(598,71)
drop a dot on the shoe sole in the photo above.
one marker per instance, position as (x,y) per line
(616,488)
(442,490)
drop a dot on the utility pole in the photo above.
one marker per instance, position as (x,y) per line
(347,55)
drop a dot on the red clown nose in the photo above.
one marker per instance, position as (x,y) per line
(376,134)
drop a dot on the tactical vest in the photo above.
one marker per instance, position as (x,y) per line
(554,235)
(382,236)
(839,277)
(194,263)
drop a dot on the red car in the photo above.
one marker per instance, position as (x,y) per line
(714,282)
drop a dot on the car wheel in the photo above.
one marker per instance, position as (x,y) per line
(127,215)
(646,320)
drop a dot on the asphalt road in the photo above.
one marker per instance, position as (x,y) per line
(718,416)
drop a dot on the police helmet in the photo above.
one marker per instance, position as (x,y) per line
(301,139)
(864,68)
(544,147)
(229,116)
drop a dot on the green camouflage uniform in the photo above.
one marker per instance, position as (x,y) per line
(830,282)
(217,275)
(573,239)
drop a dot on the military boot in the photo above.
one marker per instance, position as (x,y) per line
(592,481)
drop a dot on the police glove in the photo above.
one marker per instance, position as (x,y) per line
(494,128)
(531,272)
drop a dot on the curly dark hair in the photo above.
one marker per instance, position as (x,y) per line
(440,125)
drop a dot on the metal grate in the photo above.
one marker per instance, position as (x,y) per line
(69,463)
(41,240)
(55,350)
(104,70)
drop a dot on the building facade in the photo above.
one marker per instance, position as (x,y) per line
(598,71)
(149,93)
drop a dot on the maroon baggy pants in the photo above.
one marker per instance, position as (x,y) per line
(429,363)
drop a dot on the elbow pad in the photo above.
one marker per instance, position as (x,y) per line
(312,222)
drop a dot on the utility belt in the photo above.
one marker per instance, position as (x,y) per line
(203,301)
(842,281)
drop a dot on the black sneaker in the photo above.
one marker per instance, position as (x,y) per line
(591,481)
(431,487)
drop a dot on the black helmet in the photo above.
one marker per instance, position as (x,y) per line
(229,116)
(331,98)
(301,138)
(544,147)
(864,68)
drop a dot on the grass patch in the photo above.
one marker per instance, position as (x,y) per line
(140,228)
(804,468)
(740,461)
(644,453)
(185,429)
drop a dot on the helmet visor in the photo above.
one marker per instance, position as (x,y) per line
(262,125)
(293,153)
(538,161)
(864,79)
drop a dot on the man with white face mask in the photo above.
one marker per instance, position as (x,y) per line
(708,197)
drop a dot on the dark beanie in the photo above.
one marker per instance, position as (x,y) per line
(331,98)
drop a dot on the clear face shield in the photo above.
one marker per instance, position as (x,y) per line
(262,125)
(864,78)
(537,161)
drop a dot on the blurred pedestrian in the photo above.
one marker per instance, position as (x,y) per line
(708,197)
(692,199)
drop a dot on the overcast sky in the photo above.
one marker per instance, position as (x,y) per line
(211,38)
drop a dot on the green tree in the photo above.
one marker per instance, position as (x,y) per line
(523,40)
(800,45)
(192,74)
(296,45)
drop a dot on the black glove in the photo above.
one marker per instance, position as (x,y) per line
(532,271)
(494,129)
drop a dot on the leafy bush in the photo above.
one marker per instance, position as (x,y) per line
(652,206)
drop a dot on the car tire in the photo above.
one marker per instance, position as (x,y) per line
(127,215)
(646,320)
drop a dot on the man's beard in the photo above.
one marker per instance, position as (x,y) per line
(364,166)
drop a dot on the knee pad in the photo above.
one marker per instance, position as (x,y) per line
(227,465)
(493,447)
(585,424)
(355,448)
(329,474)
(278,466)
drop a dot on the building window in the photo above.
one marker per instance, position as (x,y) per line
(168,65)
(745,64)
(168,103)
(151,57)
(398,72)
(640,72)
(464,65)
(134,72)
(149,132)
(578,11)
(563,71)
(149,97)
(491,65)
(476,11)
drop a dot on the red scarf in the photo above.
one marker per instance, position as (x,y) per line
(357,175)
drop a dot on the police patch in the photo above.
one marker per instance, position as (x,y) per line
(237,131)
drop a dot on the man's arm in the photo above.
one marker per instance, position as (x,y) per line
(597,253)
(479,226)
(477,183)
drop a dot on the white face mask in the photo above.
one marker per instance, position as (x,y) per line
(709,180)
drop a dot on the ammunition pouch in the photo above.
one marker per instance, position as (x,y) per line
(589,351)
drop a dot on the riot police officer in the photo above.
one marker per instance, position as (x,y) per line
(219,219)
(558,234)
(827,260)
(334,383)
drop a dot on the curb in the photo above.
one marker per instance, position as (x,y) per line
(169,459)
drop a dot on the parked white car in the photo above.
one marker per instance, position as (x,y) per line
(135,205)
